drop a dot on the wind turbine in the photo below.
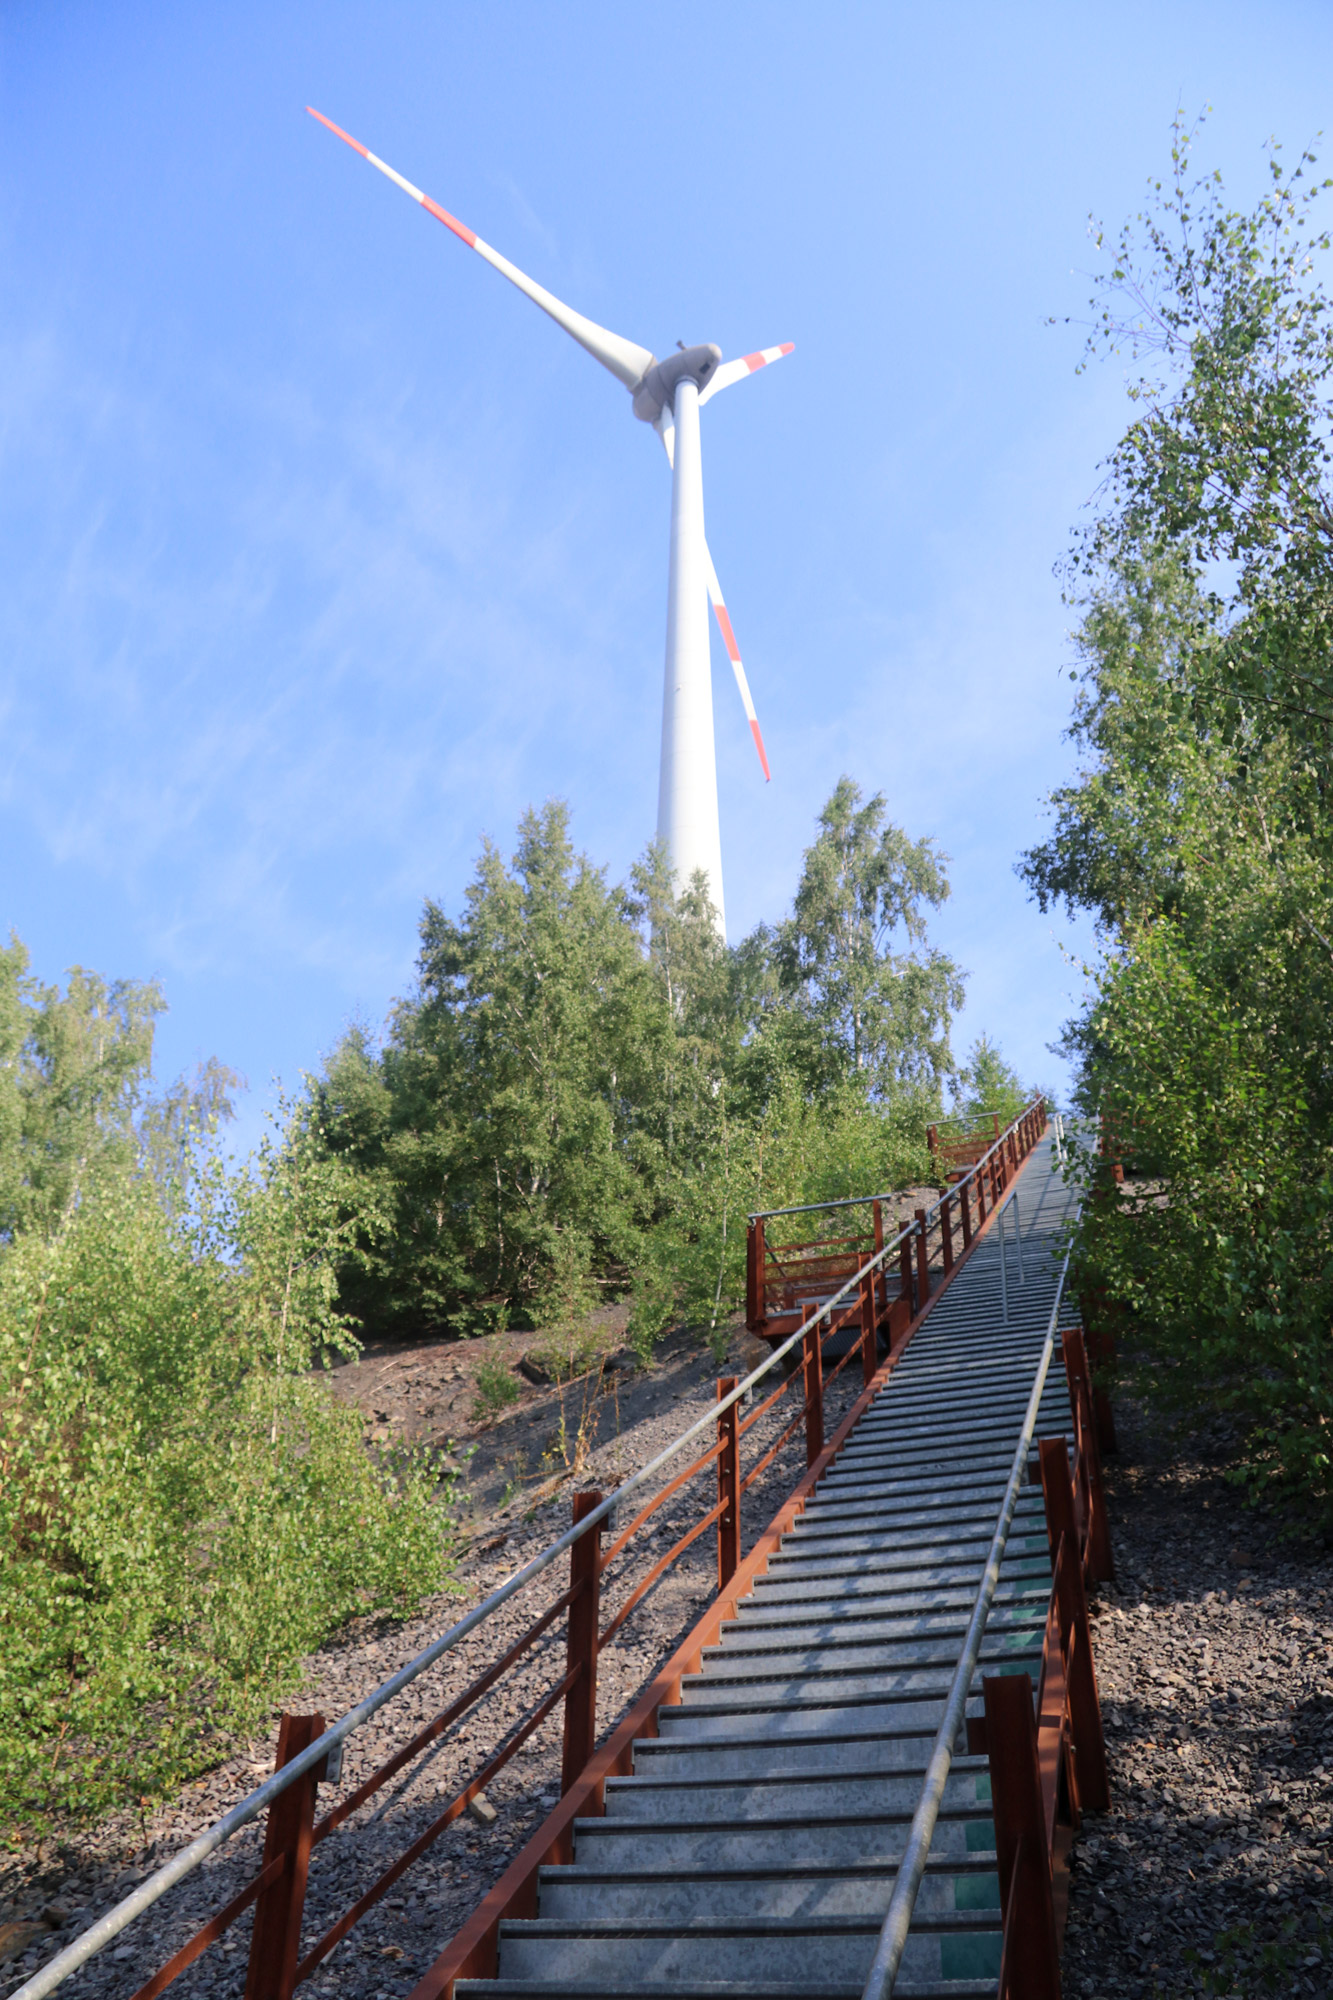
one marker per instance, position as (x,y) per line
(667,394)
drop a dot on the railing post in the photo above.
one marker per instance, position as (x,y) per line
(585,1566)
(922,1260)
(869,1329)
(813,1383)
(755,1301)
(275,1942)
(728,1485)
(1099,1346)
(1085,1712)
(881,1290)
(946,1232)
(907,1288)
(1101,1562)
(965,1211)
(1031,1952)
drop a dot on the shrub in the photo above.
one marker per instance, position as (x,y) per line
(496,1390)
(184,1511)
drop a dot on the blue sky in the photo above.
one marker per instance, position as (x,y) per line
(325,553)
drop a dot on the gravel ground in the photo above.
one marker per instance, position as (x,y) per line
(46,1898)
(1214,1656)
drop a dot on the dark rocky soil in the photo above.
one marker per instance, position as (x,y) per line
(1214,1653)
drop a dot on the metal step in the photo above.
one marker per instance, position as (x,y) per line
(962,1945)
(835,1841)
(571,1893)
(742,1989)
(789,1794)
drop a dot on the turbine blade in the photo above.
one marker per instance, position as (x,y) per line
(737,371)
(724,626)
(664,423)
(627,361)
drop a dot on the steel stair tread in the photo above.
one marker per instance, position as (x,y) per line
(939,1597)
(935,1554)
(946,1514)
(755,1823)
(894,1656)
(664,1747)
(846,1697)
(791,1614)
(621,1989)
(837,1538)
(806,1872)
(644,1784)
(913,1715)
(942,1921)
(891,1681)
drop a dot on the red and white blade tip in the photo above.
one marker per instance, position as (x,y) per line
(743,367)
(469,236)
(767,354)
(625,359)
(725,627)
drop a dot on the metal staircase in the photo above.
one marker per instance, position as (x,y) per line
(799,1801)
(755,1847)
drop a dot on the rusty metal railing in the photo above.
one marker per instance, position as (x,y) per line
(781,1275)
(1048,1754)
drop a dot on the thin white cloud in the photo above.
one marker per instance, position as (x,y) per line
(299,681)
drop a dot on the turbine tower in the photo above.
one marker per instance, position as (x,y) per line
(669,395)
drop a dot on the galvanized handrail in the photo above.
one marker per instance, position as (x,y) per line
(912,1867)
(188,1858)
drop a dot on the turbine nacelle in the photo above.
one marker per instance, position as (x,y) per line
(657,391)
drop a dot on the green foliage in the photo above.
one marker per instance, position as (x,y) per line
(1232,1273)
(887,1014)
(496,1391)
(1198,830)
(184,1511)
(513,1122)
(988,1088)
(802,1149)
(76,1093)
(1228,458)
(588,1089)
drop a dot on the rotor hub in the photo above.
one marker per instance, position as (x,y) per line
(657,391)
